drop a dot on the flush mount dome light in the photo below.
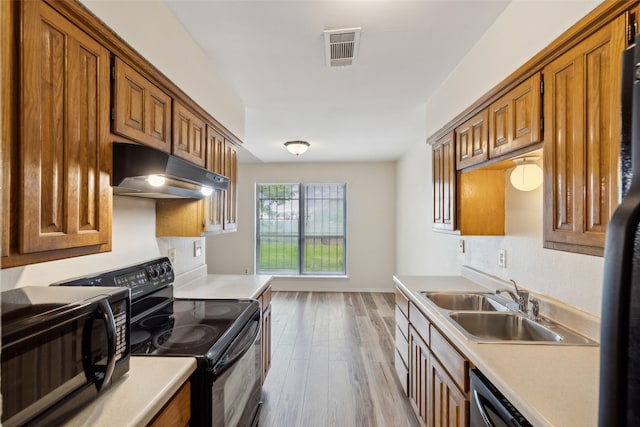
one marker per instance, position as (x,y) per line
(527,175)
(297,147)
(156,180)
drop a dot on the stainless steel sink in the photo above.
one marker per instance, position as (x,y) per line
(465,301)
(513,327)
(485,317)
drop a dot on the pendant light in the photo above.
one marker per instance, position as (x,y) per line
(527,175)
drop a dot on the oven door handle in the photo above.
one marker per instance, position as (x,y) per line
(101,374)
(241,345)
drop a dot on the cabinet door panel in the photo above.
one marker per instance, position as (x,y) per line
(582,143)
(66,199)
(444,184)
(418,375)
(514,119)
(472,141)
(448,406)
(215,163)
(189,135)
(142,110)
(231,195)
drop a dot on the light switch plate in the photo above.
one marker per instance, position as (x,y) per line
(197,248)
(461,246)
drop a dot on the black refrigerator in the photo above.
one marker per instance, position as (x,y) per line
(619,402)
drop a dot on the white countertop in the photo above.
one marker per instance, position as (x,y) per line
(224,286)
(139,395)
(550,385)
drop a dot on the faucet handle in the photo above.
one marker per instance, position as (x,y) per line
(535,308)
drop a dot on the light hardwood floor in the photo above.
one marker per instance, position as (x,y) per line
(332,362)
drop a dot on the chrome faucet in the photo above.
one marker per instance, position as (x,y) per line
(521,296)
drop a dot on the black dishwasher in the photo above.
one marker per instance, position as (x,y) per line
(489,407)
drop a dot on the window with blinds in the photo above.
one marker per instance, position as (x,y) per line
(301,229)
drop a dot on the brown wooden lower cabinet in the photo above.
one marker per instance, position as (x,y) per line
(177,412)
(438,379)
(448,406)
(265,305)
(418,375)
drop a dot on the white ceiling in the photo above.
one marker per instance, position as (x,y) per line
(272,55)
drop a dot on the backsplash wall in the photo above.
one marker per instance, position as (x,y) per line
(134,241)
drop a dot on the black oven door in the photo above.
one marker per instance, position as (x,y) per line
(230,394)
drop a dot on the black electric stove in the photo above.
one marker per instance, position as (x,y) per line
(222,334)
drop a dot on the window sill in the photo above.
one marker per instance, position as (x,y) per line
(307,276)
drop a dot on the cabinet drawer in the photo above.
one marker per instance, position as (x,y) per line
(419,322)
(403,302)
(451,360)
(403,373)
(402,346)
(402,322)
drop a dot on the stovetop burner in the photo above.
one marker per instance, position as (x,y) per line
(185,337)
(188,327)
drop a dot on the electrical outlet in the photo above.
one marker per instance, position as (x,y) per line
(502,258)
(197,248)
(461,246)
(171,254)
(245,271)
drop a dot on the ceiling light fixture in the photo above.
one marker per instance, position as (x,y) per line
(297,147)
(527,175)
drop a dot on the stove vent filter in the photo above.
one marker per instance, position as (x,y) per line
(341,46)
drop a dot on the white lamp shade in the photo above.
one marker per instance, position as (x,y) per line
(526,176)
(297,147)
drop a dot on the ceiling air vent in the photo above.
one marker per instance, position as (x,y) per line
(341,46)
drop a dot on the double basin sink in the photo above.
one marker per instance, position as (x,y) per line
(489,318)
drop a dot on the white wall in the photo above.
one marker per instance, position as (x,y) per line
(524,28)
(371,201)
(152,30)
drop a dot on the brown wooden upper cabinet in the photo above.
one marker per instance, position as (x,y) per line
(215,163)
(444,183)
(189,135)
(514,119)
(142,111)
(231,195)
(65,194)
(472,141)
(581,109)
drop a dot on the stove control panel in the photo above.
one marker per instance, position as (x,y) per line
(142,278)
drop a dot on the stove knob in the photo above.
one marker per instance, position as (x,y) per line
(167,267)
(153,272)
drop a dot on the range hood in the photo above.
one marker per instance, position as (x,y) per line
(142,171)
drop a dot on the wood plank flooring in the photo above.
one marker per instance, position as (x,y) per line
(332,362)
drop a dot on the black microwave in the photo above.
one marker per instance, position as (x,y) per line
(61,347)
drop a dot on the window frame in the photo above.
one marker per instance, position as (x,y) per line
(301,230)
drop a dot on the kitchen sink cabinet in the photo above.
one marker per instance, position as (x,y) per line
(581,109)
(438,383)
(472,141)
(60,196)
(141,110)
(515,118)
(448,406)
